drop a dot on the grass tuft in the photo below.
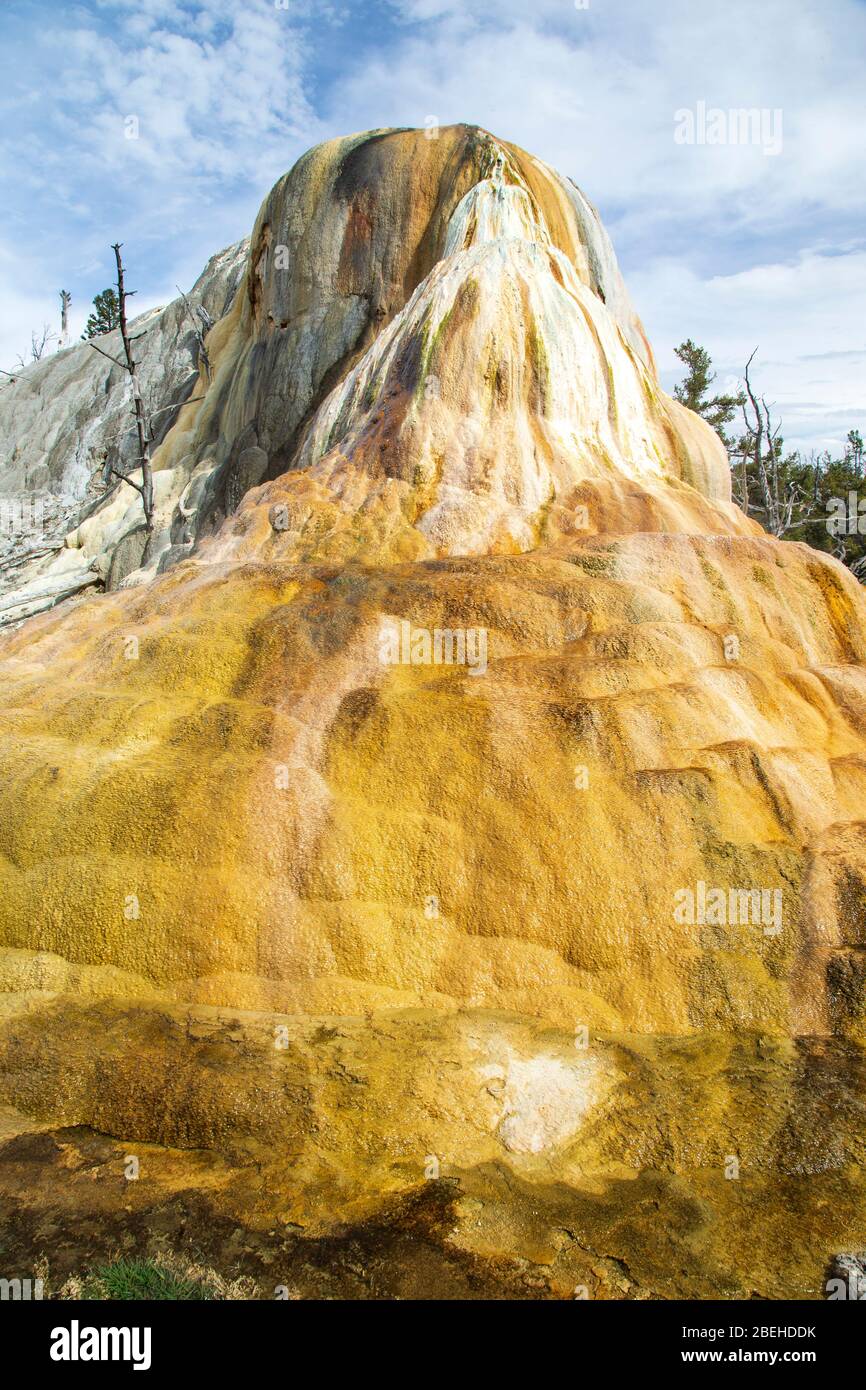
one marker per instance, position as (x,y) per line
(164,1278)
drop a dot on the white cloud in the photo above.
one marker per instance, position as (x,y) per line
(805,317)
(206,105)
(218,97)
(595,91)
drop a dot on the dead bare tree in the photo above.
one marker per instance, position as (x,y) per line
(65,301)
(143,419)
(39,342)
(142,424)
(784,500)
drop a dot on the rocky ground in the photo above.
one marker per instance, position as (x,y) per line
(711,1168)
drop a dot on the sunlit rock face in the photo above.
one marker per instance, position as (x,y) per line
(468,728)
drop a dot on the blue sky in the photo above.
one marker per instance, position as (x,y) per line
(724,243)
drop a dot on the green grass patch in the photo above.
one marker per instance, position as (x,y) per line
(144,1279)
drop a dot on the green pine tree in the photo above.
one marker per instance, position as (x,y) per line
(106,314)
(693,392)
(854,451)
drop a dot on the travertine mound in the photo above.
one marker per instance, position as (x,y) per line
(246,789)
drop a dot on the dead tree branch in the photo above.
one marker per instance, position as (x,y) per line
(115,360)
